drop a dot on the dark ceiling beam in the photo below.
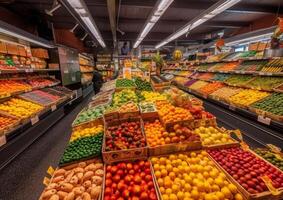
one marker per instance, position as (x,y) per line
(112,12)
(247,8)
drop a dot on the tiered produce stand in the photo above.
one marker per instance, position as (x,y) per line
(152,145)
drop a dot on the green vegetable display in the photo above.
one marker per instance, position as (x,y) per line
(124,83)
(82,148)
(272,104)
(89,114)
(142,85)
(266,83)
(270,157)
(238,79)
(123,97)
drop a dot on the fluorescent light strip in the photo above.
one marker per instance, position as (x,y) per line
(152,19)
(86,17)
(208,14)
(251,39)
(25,38)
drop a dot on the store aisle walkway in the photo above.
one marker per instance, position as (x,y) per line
(22,178)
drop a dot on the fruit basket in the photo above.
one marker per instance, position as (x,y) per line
(80,180)
(8,123)
(148,110)
(248,179)
(169,142)
(133,178)
(124,139)
(191,175)
(111,114)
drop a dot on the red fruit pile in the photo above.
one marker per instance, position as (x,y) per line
(199,113)
(129,181)
(127,135)
(247,169)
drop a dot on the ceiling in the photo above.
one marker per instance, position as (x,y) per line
(133,14)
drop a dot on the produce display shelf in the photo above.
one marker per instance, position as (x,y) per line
(246,113)
(22,92)
(28,70)
(241,72)
(20,138)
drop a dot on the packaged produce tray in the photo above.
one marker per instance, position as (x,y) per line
(123,154)
(266,195)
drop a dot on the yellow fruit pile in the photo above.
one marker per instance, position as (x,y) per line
(210,136)
(247,97)
(20,108)
(153,96)
(86,132)
(197,85)
(192,177)
(155,133)
(226,92)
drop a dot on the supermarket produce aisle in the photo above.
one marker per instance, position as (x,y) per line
(22,178)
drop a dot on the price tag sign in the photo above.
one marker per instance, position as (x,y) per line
(46,181)
(53,108)
(50,170)
(34,120)
(66,71)
(73,78)
(231,107)
(261,73)
(3,140)
(264,120)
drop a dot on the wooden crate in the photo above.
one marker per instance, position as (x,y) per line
(171,148)
(127,115)
(94,122)
(204,122)
(124,154)
(274,117)
(110,116)
(266,195)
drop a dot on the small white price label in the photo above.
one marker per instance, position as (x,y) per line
(261,73)
(204,96)
(3,140)
(34,120)
(66,71)
(73,78)
(53,108)
(231,107)
(269,74)
(264,120)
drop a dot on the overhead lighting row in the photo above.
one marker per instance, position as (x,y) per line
(82,11)
(160,7)
(211,12)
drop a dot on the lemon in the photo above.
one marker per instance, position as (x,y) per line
(173,197)
(187,187)
(226,192)
(162,190)
(238,197)
(168,191)
(154,160)
(169,167)
(180,195)
(232,188)
(158,174)
(156,167)
(175,188)
(164,172)
(165,197)
(160,182)
(195,194)
(219,181)
(215,188)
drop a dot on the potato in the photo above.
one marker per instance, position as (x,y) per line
(66,187)
(58,179)
(74,180)
(59,172)
(52,186)
(88,175)
(68,178)
(82,164)
(87,184)
(70,196)
(62,194)
(48,193)
(79,169)
(98,166)
(54,197)
(97,180)
(99,172)
(86,196)
(78,190)
(95,192)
